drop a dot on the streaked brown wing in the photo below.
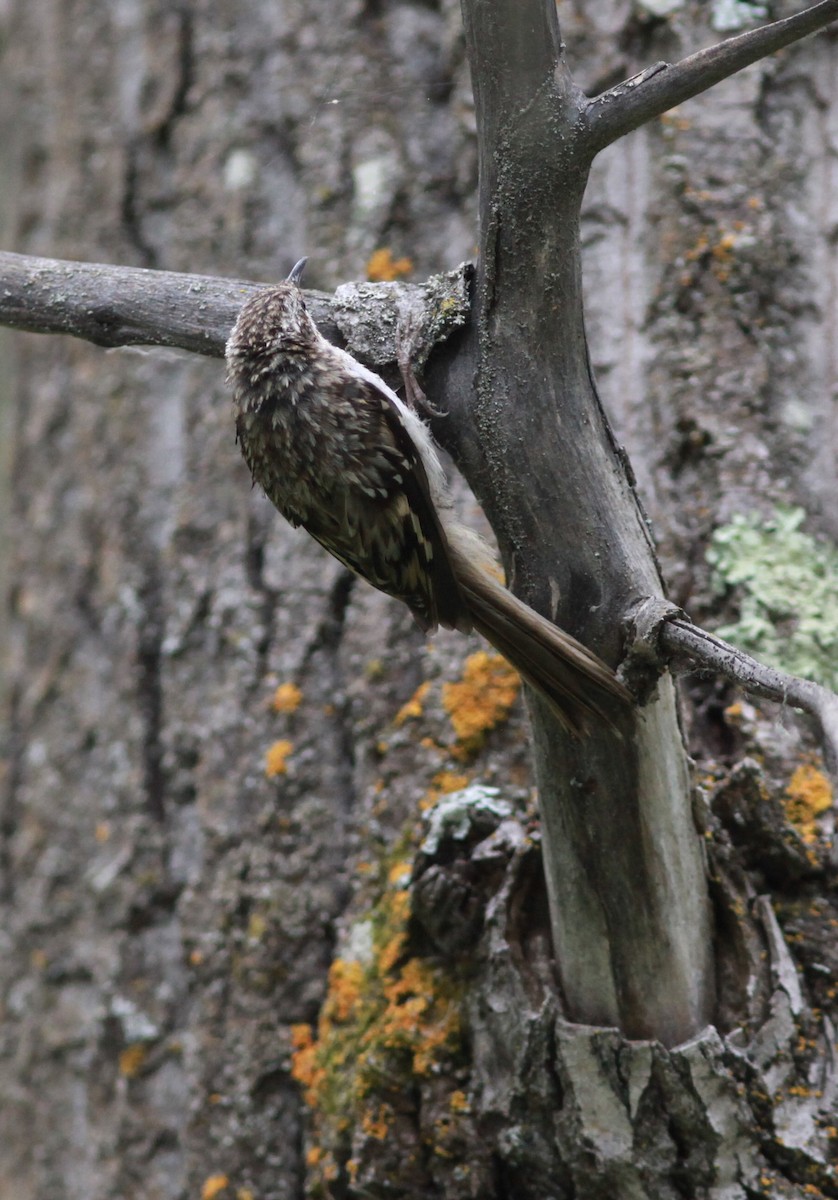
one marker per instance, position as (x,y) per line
(380,520)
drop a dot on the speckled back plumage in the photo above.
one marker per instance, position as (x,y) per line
(332,455)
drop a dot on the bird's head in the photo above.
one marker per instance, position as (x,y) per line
(274,321)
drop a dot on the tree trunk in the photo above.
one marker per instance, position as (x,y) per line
(237,960)
(637,956)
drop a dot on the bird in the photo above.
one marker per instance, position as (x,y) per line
(339,453)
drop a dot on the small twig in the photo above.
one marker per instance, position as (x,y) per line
(686,641)
(625,107)
(409,332)
(784,974)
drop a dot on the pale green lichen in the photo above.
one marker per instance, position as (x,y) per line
(455,815)
(729,15)
(786,583)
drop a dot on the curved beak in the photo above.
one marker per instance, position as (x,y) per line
(297,272)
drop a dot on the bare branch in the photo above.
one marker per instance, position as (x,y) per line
(630,104)
(679,636)
(128,306)
(660,627)
(119,306)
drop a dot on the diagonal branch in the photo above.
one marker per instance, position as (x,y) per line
(662,635)
(683,639)
(630,104)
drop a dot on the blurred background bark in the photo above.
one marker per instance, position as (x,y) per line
(184,849)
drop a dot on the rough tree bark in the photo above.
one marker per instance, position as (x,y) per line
(631,915)
(171,913)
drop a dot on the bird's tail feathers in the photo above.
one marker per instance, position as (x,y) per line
(565,672)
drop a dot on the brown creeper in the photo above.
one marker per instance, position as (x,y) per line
(339,453)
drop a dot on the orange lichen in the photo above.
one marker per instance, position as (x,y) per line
(102,832)
(808,795)
(392,951)
(382,267)
(346,979)
(413,1019)
(399,873)
(481,700)
(442,784)
(276,758)
(391,947)
(213,1186)
(387,1022)
(286,698)
(459,1102)
(301,1035)
(304,1066)
(414,706)
(699,249)
(724,247)
(131,1060)
(376,1122)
